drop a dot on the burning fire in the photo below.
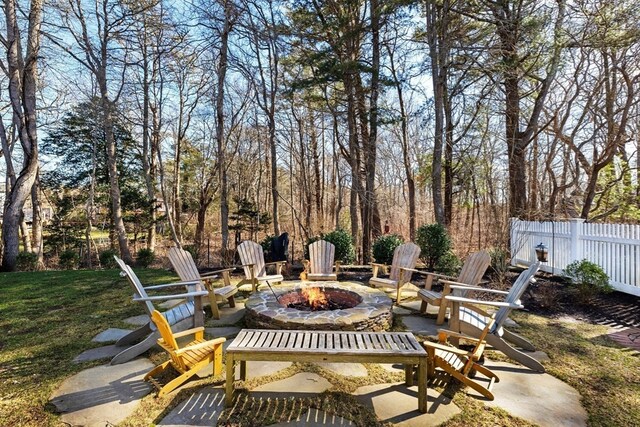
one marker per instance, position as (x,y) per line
(315,296)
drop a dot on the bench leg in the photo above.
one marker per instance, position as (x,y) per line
(408,374)
(228,396)
(422,385)
(243,370)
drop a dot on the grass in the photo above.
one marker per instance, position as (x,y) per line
(48,318)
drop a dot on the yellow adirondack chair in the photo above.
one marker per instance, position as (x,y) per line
(255,269)
(320,265)
(186,268)
(404,260)
(471,274)
(458,363)
(188,359)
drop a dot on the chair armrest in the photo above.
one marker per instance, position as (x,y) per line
(275,263)
(168,297)
(375,264)
(168,285)
(201,345)
(213,274)
(438,275)
(443,347)
(463,286)
(476,301)
(450,333)
(188,332)
(476,288)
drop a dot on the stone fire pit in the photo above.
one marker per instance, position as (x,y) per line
(371,311)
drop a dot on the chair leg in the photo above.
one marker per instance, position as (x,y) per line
(215,310)
(442,311)
(157,370)
(474,385)
(518,340)
(136,350)
(217,359)
(423,307)
(232,301)
(501,345)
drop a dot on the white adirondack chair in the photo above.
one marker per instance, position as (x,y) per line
(186,268)
(181,317)
(404,260)
(320,265)
(467,318)
(472,271)
(255,269)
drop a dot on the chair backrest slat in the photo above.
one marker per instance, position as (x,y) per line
(321,257)
(516,292)
(135,283)
(405,255)
(252,253)
(473,269)
(184,264)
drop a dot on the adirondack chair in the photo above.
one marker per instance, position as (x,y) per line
(180,317)
(458,363)
(471,273)
(467,318)
(255,269)
(186,268)
(404,260)
(320,265)
(187,359)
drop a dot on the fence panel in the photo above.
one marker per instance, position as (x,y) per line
(614,247)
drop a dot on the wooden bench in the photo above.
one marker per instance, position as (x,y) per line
(328,346)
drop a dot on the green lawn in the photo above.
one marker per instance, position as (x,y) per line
(48,318)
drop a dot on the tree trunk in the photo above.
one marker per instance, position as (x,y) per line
(36,222)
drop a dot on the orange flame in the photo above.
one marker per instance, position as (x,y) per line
(315,296)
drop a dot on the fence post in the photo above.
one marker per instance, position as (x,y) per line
(576,239)
(512,239)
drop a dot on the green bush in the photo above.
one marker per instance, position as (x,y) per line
(384,246)
(145,257)
(69,259)
(345,251)
(588,278)
(449,264)
(434,243)
(106,258)
(26,261)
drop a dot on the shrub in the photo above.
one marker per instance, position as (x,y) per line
(27,261)
(345,251)
(106,258)
(499,263)
(266,243)
(145,257)
(588,278)
(69,260)
(384,246)
(434,243)
(449,264)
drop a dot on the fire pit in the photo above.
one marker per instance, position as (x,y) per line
(328,306)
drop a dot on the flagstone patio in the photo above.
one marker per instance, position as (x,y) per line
(106,394)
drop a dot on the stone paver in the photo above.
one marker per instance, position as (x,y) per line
(170,303)
(224,331)
(414,305)
(398,404)
(401,310)
(140,320)
(228,316)
(420,325)
(304,382)
(257,369)
(536,397)
(628,337)
(202,408)
(105,352)
(345,369)
(315,418)
(103,395)
(393,368)
(110,335)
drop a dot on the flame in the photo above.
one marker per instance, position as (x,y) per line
(315,296)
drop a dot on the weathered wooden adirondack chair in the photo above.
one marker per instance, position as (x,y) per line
(255,269)
(320,265)
(189,359)
(183,316)
(186,268)
(404,260)
(467,318)
(458,363)
(472,271)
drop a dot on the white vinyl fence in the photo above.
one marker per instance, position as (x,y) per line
(614,247)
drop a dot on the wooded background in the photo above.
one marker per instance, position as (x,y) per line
(192,123)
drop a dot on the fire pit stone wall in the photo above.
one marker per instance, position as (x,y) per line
(373,313)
